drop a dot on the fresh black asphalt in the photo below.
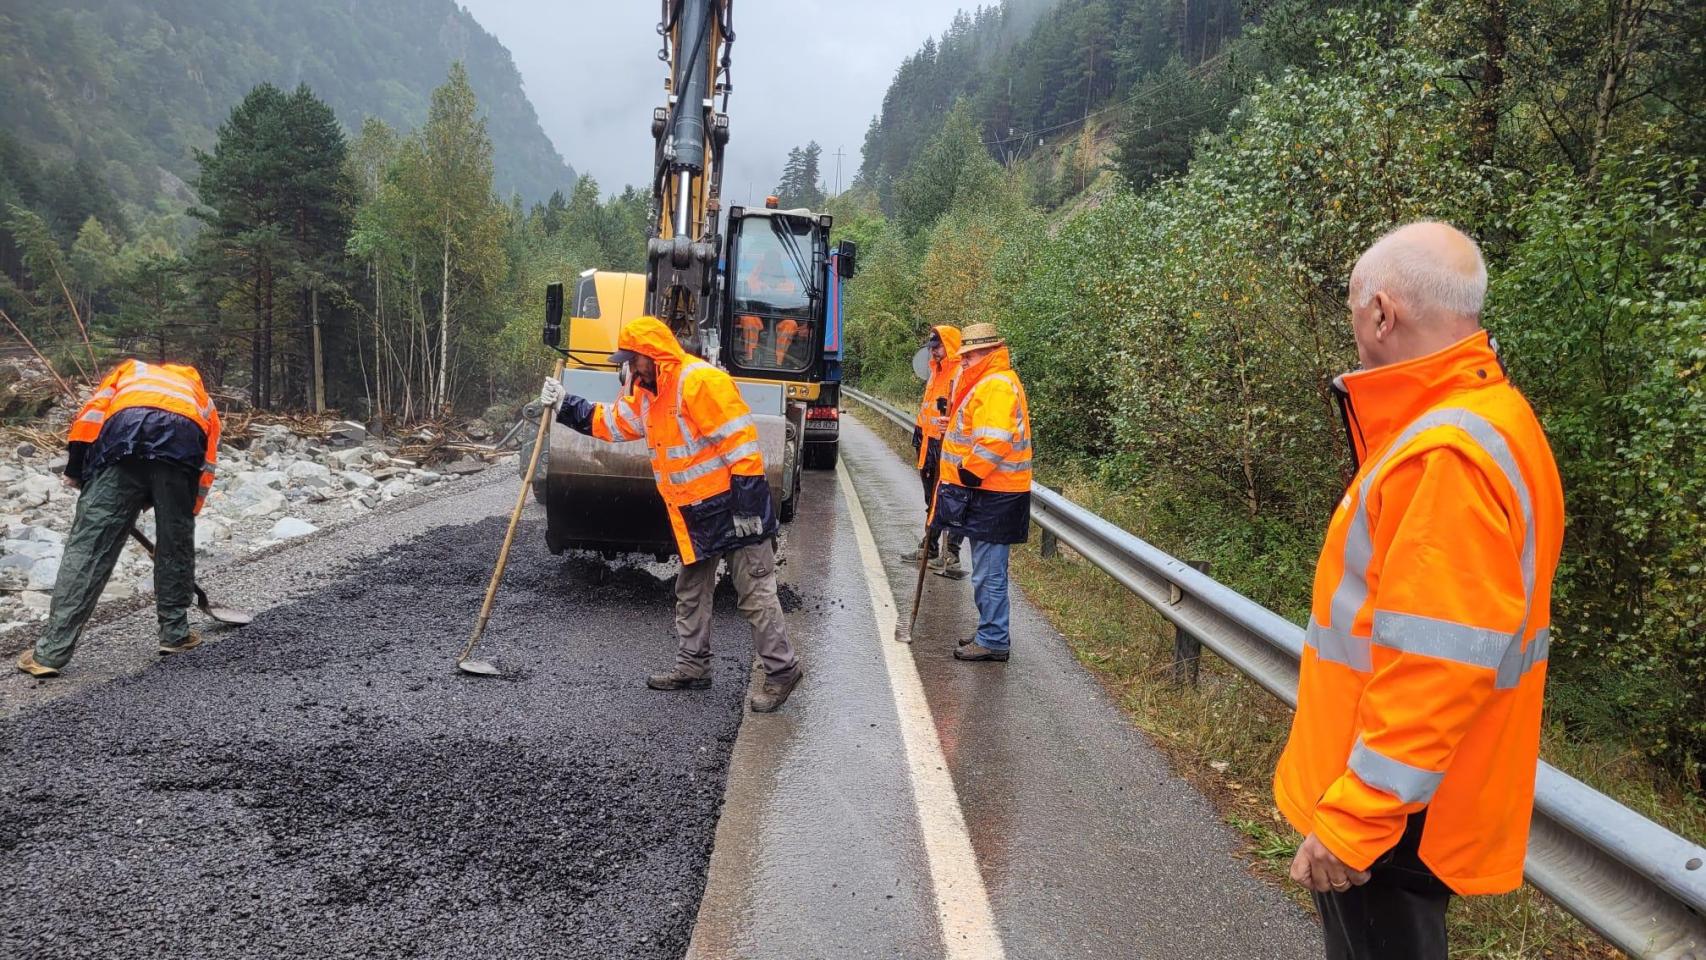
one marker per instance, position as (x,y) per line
(324,784)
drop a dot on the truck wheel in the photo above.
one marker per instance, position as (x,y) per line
(822,455)
(791,475)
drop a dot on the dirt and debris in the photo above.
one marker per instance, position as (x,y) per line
(280,476)
(323,783)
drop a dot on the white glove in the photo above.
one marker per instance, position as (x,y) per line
(748,526)
(551,392)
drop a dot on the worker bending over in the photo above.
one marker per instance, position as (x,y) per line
(711,475)
(985,491)
(927,431)
(148,437)
(1410,767)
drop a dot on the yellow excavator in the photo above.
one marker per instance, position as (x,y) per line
(756,291)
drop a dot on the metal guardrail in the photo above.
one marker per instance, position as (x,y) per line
(1637,884)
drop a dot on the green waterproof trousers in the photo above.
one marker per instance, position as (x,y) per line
(106,510)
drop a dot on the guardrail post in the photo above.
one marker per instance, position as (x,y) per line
(1187,650)
(1051,543)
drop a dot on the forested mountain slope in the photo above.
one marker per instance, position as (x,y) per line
(133,87)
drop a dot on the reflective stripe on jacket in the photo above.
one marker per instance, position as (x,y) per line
(989,437)
(175,388)
(931,423)
(1425,658)
(703,441)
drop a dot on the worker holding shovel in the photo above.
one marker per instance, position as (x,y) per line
(148,436)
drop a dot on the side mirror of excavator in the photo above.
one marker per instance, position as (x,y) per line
(553,315)
(847,259)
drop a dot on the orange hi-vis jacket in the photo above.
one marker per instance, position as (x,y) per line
(786,330)
(1424,663)
(931,423)
(704,443)
(990,431)
(751,328)
(172,387)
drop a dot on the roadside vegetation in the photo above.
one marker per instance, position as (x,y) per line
(1179,316)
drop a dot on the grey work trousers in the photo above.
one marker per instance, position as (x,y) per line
(107,507)
(754,570)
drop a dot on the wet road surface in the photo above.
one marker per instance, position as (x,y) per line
(322,784)
(1086,843)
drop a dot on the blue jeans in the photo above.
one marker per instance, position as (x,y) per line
(989,587)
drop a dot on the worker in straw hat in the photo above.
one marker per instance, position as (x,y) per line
(985,490)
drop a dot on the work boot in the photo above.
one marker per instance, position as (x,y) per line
(190,643)
(913,555)
(774,694)
(27,664)
(677,679)
(948,565)
(977,652)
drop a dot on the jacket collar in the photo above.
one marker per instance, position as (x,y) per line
(1379,403)
(995,361)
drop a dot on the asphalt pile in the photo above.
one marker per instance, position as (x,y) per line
(324,783)
(274,484)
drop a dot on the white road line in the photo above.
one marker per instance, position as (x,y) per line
(962,904)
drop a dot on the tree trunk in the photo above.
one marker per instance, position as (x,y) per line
(1626,15)
(319,358)
(440,395)
(1496,34)
(265,400)
(255,353)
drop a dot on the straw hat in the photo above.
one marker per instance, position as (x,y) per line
(980,336)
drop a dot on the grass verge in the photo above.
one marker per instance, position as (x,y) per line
(1224,737)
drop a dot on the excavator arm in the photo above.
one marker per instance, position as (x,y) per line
(690,133)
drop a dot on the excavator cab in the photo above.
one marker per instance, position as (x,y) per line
(777,293)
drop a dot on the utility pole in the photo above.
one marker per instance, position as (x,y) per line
(838,155)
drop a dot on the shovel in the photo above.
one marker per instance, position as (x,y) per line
(484,668)
(904,634)
(236,618)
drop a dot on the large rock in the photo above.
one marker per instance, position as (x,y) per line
(395,488)
(35,490)
(345,459)
(359,481)
(36,601)
(266,506)
(465,466)
(304,469)
(210,531)
(33,549)
(347,432)
(37,533)
(44,573)
(290,528)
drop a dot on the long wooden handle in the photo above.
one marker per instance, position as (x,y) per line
(514,517)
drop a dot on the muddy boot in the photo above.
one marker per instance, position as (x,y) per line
(190,643)
(677,679)
(773,694)
(913,555)
(948,565)
(978,652)
(27,664)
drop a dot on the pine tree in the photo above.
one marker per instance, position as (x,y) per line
(799,186)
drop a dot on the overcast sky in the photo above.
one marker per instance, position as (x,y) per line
(803,70)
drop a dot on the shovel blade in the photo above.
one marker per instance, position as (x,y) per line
(482,668)
(236,618)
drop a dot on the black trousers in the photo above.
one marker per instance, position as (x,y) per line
(1399,914)
(928,475)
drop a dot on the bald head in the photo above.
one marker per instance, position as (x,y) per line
(1416,290)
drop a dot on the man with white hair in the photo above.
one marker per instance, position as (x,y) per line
(1410,765)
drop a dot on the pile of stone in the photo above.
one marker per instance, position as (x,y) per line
(278,487)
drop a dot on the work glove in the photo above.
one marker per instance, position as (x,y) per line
(748,526)
(917,437)
(969,479)
(552,392)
